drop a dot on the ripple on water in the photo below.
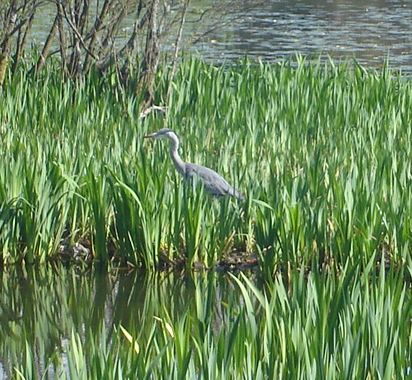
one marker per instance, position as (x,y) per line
(272,30)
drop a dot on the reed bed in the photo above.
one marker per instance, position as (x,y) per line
(321,151)
(206,326)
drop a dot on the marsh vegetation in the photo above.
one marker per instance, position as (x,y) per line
(322,154)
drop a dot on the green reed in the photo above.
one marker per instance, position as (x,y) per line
(322,153)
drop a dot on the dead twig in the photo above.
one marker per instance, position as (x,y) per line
(150,109)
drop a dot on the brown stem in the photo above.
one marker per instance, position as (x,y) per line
(79,39)
(9,22)
(93,34)
(84,15)
(4,60)
(176,51)
(45,51)
(21,39)
(62,38)
(131,43)
(128,50)
(151,56)
(72,19)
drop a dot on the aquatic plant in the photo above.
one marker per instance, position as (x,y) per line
(321,151)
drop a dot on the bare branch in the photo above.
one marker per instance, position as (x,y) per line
(93,33)
(151,55)
(131,43)
(78,34)
(21,41)
(176,51)
(47,45)
(62,38)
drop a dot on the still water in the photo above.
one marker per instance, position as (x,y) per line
(55,319)
(44,305)
(372,31)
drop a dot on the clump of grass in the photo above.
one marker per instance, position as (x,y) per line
(321,151)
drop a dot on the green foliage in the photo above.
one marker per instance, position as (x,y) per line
(322,153)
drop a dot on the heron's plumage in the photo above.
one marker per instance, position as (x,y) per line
(214,183)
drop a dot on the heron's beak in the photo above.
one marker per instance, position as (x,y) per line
(149,136)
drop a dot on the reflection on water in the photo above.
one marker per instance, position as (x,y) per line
(368,30)
(45,306)
(54,319)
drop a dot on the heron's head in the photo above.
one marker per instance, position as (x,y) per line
(161,133)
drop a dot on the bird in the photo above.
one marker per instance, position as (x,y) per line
(213,183)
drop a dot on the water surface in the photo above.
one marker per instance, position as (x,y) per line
(45,313)
(372,31)
(44,305)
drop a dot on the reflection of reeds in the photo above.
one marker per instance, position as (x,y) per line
(92,325)
(321,151)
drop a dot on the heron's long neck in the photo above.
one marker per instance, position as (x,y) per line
(174,153)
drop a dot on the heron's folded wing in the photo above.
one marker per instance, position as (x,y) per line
(212,181)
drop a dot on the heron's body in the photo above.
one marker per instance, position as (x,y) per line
(214,183)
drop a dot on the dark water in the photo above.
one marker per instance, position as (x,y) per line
(371,31)
(43,305)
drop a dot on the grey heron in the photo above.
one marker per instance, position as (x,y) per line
(213,183)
